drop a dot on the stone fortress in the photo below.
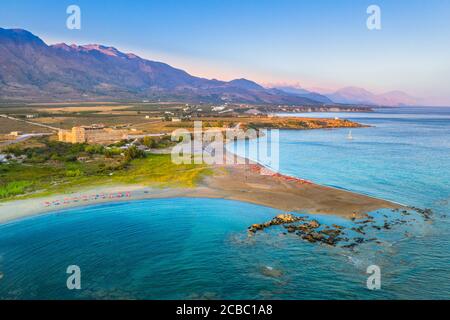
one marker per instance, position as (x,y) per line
(92,134)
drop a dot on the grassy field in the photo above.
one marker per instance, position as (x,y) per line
(158,170)
(149,117)
(7,125)
(67,121)
(51,167)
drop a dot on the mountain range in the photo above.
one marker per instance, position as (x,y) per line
(354,95)
(305,93)
(31,70)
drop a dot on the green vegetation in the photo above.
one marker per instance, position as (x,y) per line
(48,167)
(159,170)
(13,188)
(48,150)
(133,153)
(158,142)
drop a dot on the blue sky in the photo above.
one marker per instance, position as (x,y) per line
(316,44)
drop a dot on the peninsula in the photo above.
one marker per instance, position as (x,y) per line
(40,174)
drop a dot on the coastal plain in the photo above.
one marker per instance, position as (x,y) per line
(47,172)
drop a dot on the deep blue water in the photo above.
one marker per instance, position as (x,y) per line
(198,248)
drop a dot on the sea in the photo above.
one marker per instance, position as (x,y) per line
(200,248)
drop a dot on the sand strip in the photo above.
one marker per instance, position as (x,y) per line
(234,182)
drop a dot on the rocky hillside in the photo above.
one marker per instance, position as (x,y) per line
(32,70)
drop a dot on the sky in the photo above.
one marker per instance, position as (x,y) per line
(322,44)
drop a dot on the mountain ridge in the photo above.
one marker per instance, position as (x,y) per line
(32,70)
(358,95)
(353,95)
(306,94)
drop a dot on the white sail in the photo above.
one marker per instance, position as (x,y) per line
(350,137)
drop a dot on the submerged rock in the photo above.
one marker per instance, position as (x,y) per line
(271,272)
(309,237)
(290,229)
(332,241)
(350,246)
(314,224)
(332,232)
(425,213)
(313,232)
(358,230)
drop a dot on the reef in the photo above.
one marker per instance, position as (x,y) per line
(310,230)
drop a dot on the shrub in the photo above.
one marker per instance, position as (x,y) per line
(16,151)
(109,153)
(74,173)
(14,188)
(133,153)
(94,149)
(148,142)
(70,158)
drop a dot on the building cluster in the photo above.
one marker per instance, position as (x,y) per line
(92,134)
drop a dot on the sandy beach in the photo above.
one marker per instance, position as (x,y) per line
(234,182)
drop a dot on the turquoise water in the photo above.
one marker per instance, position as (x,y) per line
(199,248)
(403,157)
(166,249)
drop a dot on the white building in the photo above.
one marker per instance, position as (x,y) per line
(218,108)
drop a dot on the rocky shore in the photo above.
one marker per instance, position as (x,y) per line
(347,237)
(309,230)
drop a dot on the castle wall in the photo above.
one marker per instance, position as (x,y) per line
(92,135)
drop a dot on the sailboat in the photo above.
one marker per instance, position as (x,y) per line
(350,137)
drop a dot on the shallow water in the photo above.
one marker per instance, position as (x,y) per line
(199,248)
(163,249)
(403,157)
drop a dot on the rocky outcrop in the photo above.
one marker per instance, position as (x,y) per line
(425,213)
(308,230)
(312,231)
(278,220)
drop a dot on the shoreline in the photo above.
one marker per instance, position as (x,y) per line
(241,181)
(237,182)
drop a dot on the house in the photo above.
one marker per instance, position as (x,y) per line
(218,108)
(253,112)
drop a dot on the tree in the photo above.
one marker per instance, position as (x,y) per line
(148,142)
(133,153)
